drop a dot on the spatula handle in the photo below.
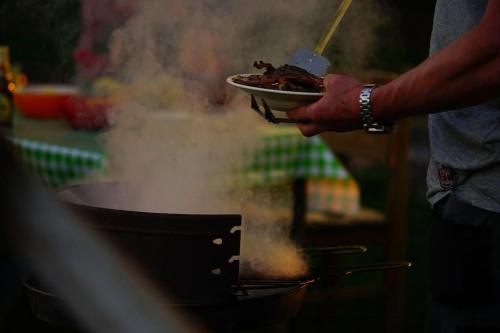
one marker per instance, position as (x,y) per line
(339,15)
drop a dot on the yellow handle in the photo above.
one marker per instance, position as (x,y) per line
(339,15)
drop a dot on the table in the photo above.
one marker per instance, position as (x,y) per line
(58,154)
(59,165)
(284,155)
(321,183)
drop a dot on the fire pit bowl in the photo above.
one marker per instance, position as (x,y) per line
(194,258)
(257,304)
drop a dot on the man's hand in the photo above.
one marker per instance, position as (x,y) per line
(465,73)
(337,111)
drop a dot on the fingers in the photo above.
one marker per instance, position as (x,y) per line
(336,111)
(304,120)
(307,116)
(309,129)
(302,114)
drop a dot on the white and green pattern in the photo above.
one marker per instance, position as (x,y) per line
(277,159)
(286,156)
(59,165)
(291,156)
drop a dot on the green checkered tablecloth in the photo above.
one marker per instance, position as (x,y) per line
(291,156)
(279,157)
(285,155)
(58,165)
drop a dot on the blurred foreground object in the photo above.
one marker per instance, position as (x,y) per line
(103,292)
(7,88)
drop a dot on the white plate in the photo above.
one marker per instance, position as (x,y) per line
(278,100)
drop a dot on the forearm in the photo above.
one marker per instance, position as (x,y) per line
(465,73)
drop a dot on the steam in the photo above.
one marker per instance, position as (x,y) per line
(174,142)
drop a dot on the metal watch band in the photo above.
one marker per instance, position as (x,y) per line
(370,125)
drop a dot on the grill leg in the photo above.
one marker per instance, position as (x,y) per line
(299,209)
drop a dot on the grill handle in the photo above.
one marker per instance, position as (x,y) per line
(334,250)
(350,270)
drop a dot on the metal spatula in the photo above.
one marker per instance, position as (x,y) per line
(313,61)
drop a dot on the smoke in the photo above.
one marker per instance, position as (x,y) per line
(179,136)
(354,46)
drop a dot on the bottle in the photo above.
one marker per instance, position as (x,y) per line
(7,88)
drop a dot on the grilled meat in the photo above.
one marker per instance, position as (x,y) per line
(286,77)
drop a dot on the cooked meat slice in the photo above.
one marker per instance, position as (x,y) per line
(286,77)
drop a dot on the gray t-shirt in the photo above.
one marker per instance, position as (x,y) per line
(466,140)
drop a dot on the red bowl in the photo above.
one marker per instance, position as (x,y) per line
(43,100)
(87,112)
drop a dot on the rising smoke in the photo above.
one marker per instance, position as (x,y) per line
(178,135)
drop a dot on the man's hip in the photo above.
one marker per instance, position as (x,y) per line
(465,268)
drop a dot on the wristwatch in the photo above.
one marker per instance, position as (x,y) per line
(370,125)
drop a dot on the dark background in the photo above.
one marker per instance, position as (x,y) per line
(408,35)
(43,34)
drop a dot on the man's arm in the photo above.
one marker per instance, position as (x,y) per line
(465,73)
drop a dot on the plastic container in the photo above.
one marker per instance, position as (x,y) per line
(44,100)
(87,112)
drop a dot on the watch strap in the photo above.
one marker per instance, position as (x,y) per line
(370,124)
